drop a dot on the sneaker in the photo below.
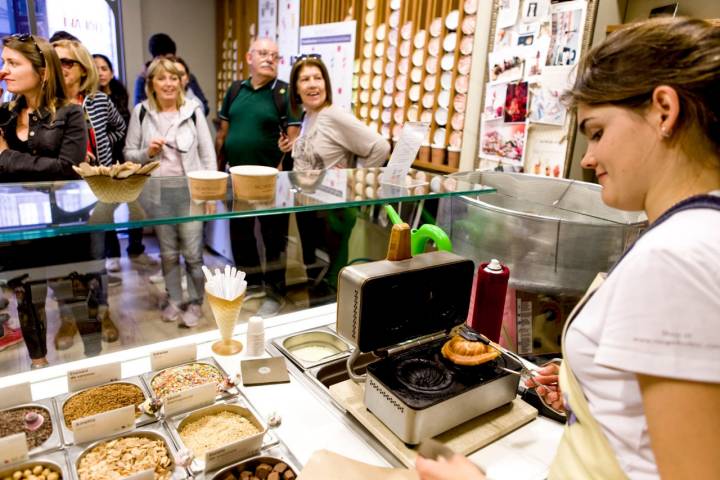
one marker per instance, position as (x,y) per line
(191,316)
(112,264)
(171,313)
(11,336)
(144,260)
(65,336)
(108,330)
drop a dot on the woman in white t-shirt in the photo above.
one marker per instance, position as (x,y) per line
(168,128)
(641,377)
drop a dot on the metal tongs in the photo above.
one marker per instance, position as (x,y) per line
(528,370)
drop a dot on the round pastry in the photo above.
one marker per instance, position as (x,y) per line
(467,353)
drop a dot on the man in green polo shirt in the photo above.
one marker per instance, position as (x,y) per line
(251,121)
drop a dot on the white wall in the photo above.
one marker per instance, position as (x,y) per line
(191,23)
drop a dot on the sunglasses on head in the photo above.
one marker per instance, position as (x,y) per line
(306,56)
(24,37)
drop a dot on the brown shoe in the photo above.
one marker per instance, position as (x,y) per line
(65,336)
(107,327)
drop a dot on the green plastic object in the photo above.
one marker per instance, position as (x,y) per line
(420,236)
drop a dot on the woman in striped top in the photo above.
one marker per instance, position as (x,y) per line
(105,125)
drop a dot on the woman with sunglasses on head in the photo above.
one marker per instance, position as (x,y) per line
(167,128)
(43,133)
(42,136)
(105,127)
(640,381)
(329,136)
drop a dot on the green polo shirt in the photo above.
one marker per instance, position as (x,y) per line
(253,132)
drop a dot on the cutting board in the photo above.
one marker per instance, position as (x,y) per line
(465,438)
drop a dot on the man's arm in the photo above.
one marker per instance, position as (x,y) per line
(220,142)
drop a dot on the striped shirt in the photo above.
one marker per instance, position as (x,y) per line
(107,123)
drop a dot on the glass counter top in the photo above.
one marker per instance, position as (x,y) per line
(47,209)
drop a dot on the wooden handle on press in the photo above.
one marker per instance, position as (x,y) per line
(399,246)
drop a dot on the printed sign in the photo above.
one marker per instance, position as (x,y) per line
(13,448)
(91,376)
(190,399)
(173,356)
(227,454)
(15,395)
(103,424)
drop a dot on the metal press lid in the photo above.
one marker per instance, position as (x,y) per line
(439,284)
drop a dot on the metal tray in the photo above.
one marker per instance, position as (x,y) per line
(149,376)
(256,442)
(276,454)
(55,440)
(57,460)
(322,336)
(143,419)
(155,431)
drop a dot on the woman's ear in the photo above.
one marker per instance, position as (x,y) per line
(666,106)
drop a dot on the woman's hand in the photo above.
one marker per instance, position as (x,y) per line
(442,469)
(546,385)
(156,146)
(285,144)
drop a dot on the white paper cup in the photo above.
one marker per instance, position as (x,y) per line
(253,182)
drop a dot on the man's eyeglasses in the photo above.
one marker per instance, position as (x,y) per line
(306,56)
(24,37)
(68,63)
(268,54)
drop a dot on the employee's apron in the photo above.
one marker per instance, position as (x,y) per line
(584,451)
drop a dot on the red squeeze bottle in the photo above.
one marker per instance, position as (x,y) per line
(489,299)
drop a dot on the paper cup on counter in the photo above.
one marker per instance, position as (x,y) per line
(468,25)
(452,20)
(207,184)
(464,64)
(426,116)
(253,182)
(437,155)
(466,45)
(453,157)
(420,38)
(436,27)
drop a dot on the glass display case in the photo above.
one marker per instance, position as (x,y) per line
(53,239)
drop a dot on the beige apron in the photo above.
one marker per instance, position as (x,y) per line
(584,451)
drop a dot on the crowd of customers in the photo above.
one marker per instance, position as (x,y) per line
(68,107)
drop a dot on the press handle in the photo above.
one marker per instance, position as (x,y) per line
(399,245)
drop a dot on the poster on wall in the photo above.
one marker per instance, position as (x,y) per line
(267,19)
(566,21)
(288,35)
(503,141)
(546,148)
(93,22)
(335,43)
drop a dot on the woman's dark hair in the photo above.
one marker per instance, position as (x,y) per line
(682,53)
(117,91)
(295,100)
(183,63)
(46,64)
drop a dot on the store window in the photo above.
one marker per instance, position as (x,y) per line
(97,23)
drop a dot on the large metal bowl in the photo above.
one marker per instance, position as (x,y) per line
(555,235)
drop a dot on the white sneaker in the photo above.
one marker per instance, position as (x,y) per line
(112,264)
(171,313)
(191,316)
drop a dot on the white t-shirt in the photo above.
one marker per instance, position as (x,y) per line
(657,314)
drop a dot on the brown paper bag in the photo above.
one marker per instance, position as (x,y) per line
(326,465)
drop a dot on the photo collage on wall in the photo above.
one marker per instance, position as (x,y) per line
(536,48)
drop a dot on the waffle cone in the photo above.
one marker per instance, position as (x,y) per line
(116,190)
(226,313)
